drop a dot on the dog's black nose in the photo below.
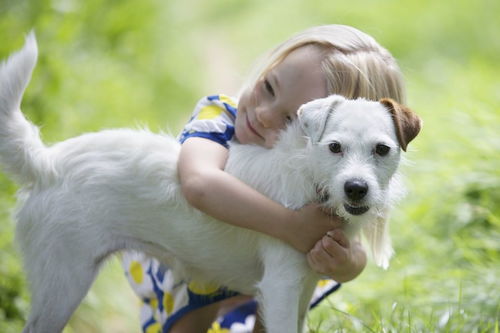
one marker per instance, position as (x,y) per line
(355,189)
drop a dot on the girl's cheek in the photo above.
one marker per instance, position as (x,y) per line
(237,124)
(256,92)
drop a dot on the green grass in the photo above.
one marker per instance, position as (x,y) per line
(115,64)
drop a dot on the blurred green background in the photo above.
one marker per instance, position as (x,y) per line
(124,63)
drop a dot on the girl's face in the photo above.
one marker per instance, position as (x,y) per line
(266,108)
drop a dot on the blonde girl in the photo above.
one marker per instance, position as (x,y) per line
(323,60)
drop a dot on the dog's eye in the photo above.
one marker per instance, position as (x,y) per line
(335,147)
(382,149)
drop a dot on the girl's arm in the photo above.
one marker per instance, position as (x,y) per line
(210,189)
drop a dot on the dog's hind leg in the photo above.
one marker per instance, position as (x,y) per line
(57,287)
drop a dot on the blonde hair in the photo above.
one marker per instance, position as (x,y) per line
(354,64)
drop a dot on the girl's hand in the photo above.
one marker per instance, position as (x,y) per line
(335,256)
(308,225)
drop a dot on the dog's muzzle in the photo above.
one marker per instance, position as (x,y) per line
(355,190)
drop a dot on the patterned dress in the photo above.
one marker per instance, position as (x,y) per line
(165,297)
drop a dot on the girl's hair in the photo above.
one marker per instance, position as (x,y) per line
(354,64)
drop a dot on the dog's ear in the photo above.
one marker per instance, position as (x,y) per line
(314,115)
(406,122)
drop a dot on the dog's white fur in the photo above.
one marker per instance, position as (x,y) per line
(86,198)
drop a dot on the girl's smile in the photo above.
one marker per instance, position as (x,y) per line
(252,129)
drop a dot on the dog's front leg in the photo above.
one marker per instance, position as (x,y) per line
(308,286)
(280,291)
(278,304)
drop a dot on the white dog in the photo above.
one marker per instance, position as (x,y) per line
(88,197)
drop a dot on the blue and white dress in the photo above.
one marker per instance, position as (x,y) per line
(166,298)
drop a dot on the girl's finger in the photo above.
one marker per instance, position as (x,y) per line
(319,261)
(339,236)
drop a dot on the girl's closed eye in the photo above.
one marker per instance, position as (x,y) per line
(268,87)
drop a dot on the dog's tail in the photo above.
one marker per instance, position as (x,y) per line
(22,153)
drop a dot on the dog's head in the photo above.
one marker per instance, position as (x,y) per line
(314,116)
(355,148)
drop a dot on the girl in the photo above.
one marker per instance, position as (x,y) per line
(320,61)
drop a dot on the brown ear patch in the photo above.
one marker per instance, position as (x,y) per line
(406,122)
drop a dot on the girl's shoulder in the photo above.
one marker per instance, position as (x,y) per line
(211,106)
(213,118)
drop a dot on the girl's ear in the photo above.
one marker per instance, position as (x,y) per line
(406,122)
(314,115)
